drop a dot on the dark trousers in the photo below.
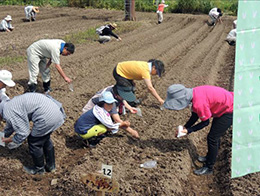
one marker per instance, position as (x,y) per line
(217,130)
(5,30)
(121,81)
(38,145)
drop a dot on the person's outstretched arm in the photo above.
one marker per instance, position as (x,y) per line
(153,91)
(130,108)
(133,132)
(61,72)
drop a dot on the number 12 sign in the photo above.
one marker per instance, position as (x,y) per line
(107,170)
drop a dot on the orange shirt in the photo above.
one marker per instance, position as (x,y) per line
(161,7)
(134,70)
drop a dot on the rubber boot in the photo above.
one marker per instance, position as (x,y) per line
(38,167)
(46,86)
(50,160)
(32,87)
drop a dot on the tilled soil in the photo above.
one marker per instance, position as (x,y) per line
(194,54)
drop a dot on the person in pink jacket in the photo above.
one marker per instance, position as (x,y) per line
(206,102)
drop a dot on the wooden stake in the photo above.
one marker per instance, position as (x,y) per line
(101,193)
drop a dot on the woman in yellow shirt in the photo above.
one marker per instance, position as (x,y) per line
(125,72)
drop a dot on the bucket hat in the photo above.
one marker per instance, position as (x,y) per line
(126,92)
(178,97)
(8,18)
(6,78)
(107,97)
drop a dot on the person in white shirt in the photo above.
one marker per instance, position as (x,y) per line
(6,24)
(30,12)
(231,37)
(215,16)
(38,52)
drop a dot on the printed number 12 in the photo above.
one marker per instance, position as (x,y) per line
(107,172)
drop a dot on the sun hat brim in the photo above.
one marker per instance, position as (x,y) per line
(126,93)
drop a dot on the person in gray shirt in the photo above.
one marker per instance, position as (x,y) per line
(46,114)
(38,52)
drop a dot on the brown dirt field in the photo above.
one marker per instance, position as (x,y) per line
(194,54)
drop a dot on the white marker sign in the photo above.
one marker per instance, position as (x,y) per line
(107,170)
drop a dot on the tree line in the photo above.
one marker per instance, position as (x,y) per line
(175,6)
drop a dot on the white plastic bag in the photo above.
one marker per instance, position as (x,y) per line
(180,133)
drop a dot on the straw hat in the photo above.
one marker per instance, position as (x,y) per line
(114,25)
(8,18)
(36,9)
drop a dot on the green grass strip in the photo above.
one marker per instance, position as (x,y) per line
(9,60)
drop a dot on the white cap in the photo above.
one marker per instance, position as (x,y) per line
(8,17)
(6,78)
(163,1)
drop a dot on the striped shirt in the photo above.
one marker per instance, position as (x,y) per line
(46,114)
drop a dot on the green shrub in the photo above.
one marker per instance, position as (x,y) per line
(35,2)
(179,6)
(204,6)
(186,6)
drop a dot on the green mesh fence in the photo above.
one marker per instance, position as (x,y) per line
(246,122)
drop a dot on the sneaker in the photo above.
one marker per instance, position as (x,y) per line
(203,171)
